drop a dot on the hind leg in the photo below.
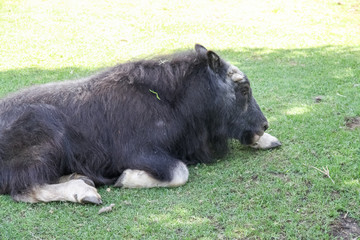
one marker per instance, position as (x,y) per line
(73,188)
(34,152)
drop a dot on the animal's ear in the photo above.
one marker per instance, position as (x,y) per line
(214,61)
(200,49)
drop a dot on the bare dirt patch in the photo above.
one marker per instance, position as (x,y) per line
(352,122)
(345,228)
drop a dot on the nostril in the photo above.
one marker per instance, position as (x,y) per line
(266,126)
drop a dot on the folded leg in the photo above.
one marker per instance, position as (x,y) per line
(133,178)
(72,188)
(154,169)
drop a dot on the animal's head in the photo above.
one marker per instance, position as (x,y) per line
(245,121)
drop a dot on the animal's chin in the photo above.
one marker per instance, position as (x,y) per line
(255,138)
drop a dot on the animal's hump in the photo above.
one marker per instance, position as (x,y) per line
(158,70)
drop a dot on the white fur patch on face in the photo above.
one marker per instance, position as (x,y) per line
(266,141)
(132,178)
(73,191)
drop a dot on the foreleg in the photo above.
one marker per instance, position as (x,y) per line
(75,189)
(133,178)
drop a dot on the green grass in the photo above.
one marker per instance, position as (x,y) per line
(292,51)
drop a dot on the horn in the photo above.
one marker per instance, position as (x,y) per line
(237,77)
(235,74)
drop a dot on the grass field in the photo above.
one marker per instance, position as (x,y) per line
(292,50)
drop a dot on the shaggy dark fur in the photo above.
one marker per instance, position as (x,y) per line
(145,115)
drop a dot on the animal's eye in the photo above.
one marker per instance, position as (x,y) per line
(245,90)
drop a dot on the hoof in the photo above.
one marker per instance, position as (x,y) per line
(119,182)
(91,200)
(83,193)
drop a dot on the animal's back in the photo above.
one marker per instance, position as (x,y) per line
(53,93)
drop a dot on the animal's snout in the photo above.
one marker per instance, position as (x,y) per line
(265,126)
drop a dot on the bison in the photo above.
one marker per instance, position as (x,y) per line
(135,125)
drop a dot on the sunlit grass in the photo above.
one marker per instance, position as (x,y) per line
(297,110)
(53,34)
